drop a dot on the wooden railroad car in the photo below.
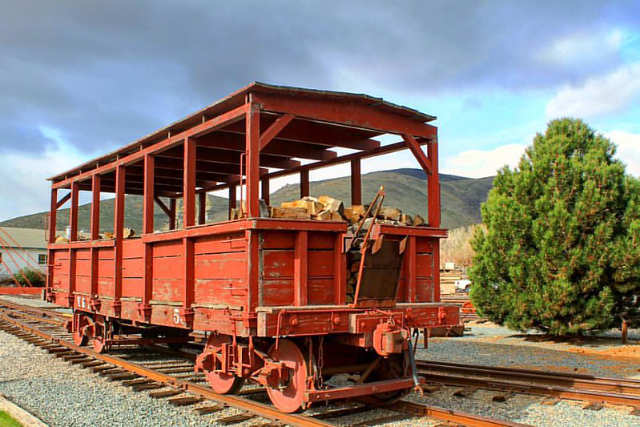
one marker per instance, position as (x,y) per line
(267,296)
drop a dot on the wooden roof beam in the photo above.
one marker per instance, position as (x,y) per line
(347,113)
(385,149)
(236,142)
(206,127)
(310,132)
(207,154)
(176,175)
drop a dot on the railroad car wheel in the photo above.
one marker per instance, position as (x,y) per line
(289,397)
(99,341)
(98,344)
(219,381)
(79,337)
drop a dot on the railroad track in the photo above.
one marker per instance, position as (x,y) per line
(170,375)
(558,385)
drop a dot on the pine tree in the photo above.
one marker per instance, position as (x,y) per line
(561,249)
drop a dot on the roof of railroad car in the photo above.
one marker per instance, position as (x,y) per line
(236,99)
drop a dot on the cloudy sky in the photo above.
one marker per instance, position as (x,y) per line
(79,79)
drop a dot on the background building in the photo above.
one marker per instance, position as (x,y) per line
(20,248)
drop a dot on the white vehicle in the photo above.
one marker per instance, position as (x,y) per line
(463,285)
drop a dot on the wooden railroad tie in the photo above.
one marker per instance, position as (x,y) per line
(343,412)
(92,363)
(185,401)
(204,410)
(593,406)
(137,381)
(80,360)
(113,371)
(382,420)
(465,392)
(123,376)
(502,397)
(101,368)
(150,386)
(165,393)
(233,419)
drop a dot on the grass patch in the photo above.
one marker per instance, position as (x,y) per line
(7,421)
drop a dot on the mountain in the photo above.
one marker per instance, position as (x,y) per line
(405,189)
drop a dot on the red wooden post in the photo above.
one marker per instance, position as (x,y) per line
(253,247)
(118,215)
(118,229)
(93,294)
(300,269)
(73,212)
(95,207)
(147,227)
(95,235)
(356,183)
(148,203)
(265,189)
(73,223)
(52,216)
(232,198)
(189,279)
(189,183)
(435,290)
(340,271)
(304,183)
(253,160)
(172,215)
(202,208)
(52,238)
(72,275)
(434,186)
(412,268)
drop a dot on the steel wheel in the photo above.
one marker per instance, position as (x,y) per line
(99,345)
(79,338)
(79,322)
(99,341)
(290,396)
(220,382)
(223,383)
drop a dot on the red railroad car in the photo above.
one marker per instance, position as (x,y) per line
(269,295)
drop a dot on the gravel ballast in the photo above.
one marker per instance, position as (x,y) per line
(61,394)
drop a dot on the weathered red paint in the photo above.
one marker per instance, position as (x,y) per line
(251,277)
(22,290)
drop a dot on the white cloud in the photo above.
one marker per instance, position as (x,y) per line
(628,149)
(598,95)
(582,48)
(481,163)
(25,188)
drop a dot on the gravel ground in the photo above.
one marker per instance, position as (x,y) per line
(529,357)
(61,394)
(497,346)
(64,395)
(529,410)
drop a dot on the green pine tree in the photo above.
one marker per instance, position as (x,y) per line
(561,250)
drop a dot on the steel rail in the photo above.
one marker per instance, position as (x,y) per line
(450,415)
(237,402)
(582,381)
(484,380)
(260,409)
